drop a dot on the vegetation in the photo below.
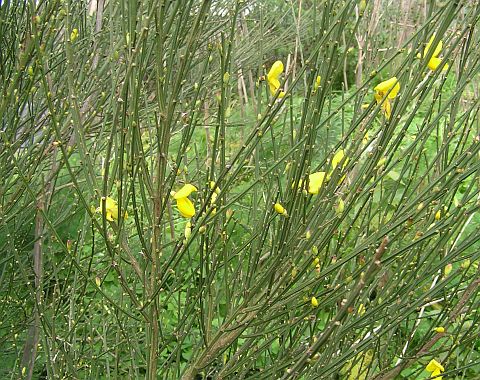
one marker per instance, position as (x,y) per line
(239,189)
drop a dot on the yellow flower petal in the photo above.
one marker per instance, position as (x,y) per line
(186,207)
(109,216)
(111,209)
(272,78)
(275,71)
(394,91)
(274,85)
(385,86)
(314,302)
(382,89)
(438,48)
(439,329)
(337,158)
(280,209)
(387,108)
(435,62)
(315,181)
(74,35)
(185,191)
(433,365)
(109,203)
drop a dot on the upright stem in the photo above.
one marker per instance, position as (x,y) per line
(30,348)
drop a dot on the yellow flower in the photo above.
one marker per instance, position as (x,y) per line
(184,204)
(314,302)
(438,48)
(435,368)
(382,89)
(111,209)
(439,329)
(337,158)
(74,35)
(280,209)
(272,78)
(316,85)
(315,182)
(438,215)
(434,61)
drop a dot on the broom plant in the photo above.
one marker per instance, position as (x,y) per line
(192,190)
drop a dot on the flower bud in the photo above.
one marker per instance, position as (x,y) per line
(448,268)
(188,230)
(340,207)
(226,77)
(74,35)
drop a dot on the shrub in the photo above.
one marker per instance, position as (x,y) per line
(173,208)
